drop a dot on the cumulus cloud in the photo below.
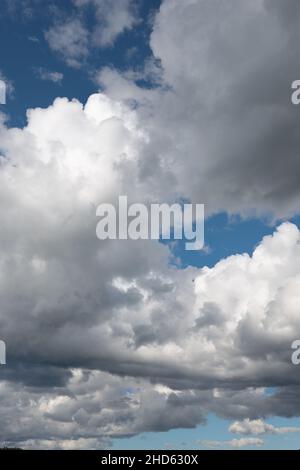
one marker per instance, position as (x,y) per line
(92,408)
(118,308)
(258,426)
(226,101)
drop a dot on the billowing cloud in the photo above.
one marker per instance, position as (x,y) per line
(227,102)
(92,407)
(118,308)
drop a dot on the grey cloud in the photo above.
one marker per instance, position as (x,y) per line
(228,103)
(210,316)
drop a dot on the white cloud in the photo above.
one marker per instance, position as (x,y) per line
(234,443)
(112,17)
(74,38)
(48,75)
(258,426)
(70,40)
(246,442)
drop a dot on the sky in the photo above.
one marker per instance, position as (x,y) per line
(141,344)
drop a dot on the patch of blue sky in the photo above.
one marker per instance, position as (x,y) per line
(23,48)
(205,435)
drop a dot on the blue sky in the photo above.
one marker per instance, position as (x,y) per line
(23,48)
(215,429)
(25,55)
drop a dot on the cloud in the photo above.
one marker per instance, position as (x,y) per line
(70,40)
(117,312)
(258,426)
(112,19)
(74,38)
(27,8)
(236,140)
(48,75)
(92,407)
(234,443)
(246,442)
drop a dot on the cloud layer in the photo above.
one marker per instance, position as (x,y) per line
(73,306)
